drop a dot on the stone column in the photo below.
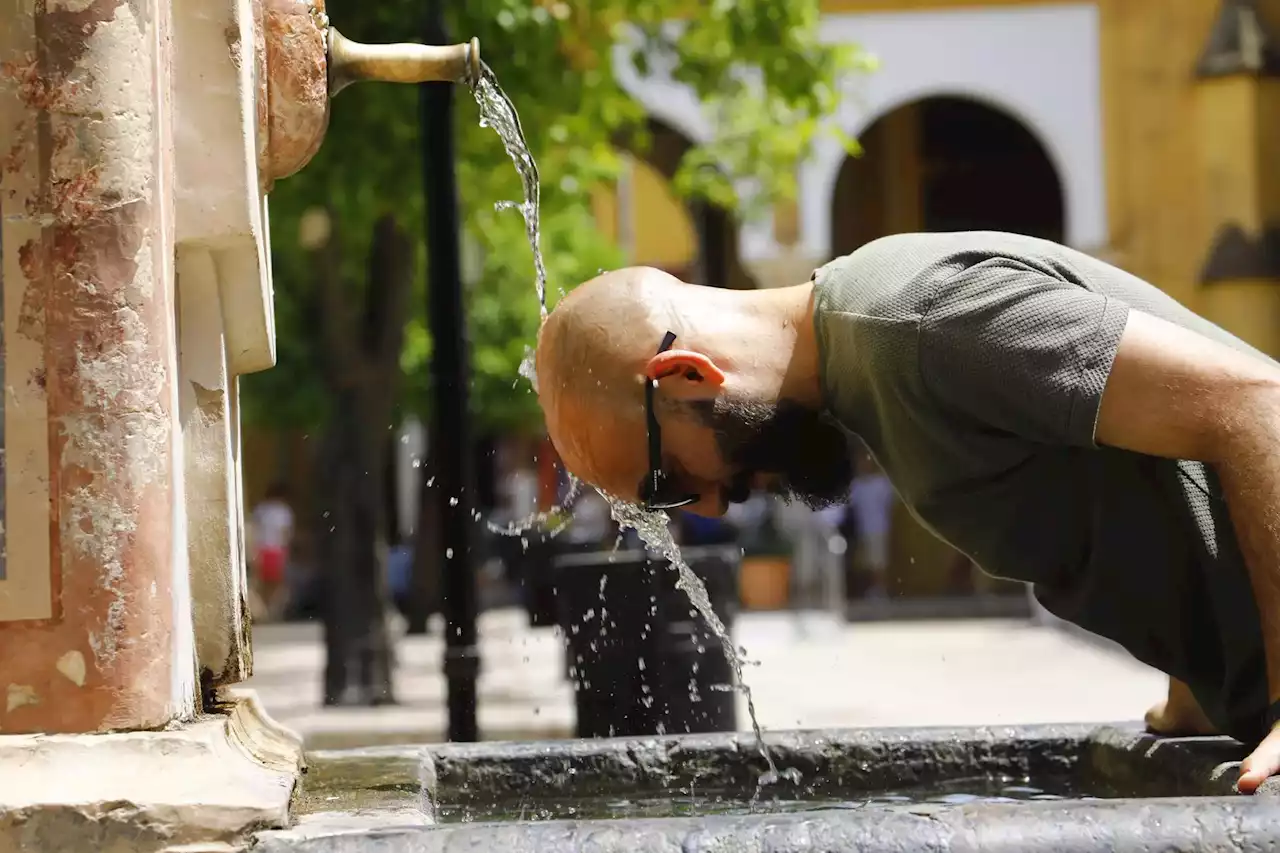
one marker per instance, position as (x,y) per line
(95,626)
(224,302)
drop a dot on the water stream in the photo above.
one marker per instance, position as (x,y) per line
(497,112)
(653,531)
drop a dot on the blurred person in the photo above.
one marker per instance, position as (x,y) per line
(592,522)
(272,534)
(871,498)
(521,493)
(813,563)
(1056,419)
(698,530)
(400,576)
(751,519)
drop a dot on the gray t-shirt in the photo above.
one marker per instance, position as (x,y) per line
(972,366)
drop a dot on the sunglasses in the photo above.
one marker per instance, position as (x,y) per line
(657,491)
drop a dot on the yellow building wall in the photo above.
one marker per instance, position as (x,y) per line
(663,233)
(662,228)
(1160,228)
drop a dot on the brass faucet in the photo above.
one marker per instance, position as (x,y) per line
(307,62)
(350,61)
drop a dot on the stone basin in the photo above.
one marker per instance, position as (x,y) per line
(1059,788)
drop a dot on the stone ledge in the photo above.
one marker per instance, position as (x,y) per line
(1121,826)
(861,759)
(198,786)
(1170,793)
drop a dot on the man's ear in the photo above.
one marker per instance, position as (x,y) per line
(684,373)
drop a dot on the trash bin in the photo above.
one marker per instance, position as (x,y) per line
(604,604)
(696,680)
(641,664)
(528,559)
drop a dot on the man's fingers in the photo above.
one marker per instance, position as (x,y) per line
(1250,780)
(1261,764)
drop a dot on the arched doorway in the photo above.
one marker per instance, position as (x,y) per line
(946,164)
(941,164)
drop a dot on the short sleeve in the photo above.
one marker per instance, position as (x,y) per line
(1021,351)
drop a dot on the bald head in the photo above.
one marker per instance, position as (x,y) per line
(594,344)
(591,358)
(717,385)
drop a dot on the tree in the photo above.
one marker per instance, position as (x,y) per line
(553,59)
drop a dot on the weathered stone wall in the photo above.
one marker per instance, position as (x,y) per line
(88,251)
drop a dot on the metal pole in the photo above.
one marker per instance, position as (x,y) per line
(450,440)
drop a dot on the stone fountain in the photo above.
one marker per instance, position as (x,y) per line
(141,142)
(1017,789)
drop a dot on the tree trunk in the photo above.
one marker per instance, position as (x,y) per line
(353,561)
(362,359)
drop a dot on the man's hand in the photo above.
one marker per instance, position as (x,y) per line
(1177,394)
(1262,763)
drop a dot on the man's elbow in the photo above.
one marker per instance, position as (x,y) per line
(1244,425)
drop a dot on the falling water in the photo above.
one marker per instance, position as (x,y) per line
(653,531)
(497,112)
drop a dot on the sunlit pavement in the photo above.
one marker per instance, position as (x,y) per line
(807,671)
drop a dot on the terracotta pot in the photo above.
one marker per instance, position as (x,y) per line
(764,583)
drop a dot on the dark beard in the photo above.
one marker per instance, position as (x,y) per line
(808,454)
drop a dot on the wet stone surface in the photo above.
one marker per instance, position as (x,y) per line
(831,764)
(363,780)
(1060,788)
(694,802)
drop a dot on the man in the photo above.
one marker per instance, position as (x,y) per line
(871,505)
(272,534)
(1054,418)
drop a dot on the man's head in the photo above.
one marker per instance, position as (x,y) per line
(733,381)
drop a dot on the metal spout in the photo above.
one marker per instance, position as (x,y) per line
(350,61)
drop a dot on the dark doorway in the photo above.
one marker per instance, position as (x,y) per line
(946,164)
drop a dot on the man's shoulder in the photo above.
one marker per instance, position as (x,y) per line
(890,278)
(896,277)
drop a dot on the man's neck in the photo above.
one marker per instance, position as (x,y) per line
(780,345)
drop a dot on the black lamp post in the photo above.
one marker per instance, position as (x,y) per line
(450,436)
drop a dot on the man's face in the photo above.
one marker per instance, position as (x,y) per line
(784,447)
(719,448)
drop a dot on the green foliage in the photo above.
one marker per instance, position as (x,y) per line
(553,61)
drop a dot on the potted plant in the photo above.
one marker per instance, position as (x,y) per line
(764,582)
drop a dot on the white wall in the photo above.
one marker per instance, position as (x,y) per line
(1040,64)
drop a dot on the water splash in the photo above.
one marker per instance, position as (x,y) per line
(529,367)
(497,112)
(652,529)
(557,514)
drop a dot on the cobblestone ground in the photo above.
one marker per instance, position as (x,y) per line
(810,671)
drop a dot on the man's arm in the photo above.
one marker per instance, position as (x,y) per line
(1176,394)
